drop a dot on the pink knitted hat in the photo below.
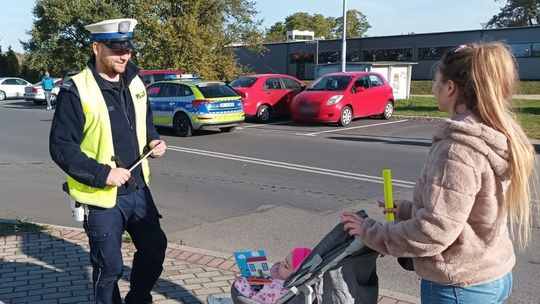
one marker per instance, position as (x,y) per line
(298,255)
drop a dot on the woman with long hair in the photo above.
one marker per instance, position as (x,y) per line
(478,176)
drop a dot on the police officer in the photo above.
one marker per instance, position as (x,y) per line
(102,126)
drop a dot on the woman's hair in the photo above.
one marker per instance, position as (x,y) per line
(486,77)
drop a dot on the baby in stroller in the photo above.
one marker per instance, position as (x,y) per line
(270,292)
(340,269)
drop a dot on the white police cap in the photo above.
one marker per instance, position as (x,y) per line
(114,33)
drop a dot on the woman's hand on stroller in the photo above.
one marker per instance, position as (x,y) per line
(352,222)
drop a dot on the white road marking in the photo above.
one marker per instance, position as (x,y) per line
(352,128)
(265,124)
(291,166)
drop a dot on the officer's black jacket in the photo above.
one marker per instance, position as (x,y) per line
(67,132)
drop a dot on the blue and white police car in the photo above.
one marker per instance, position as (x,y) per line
(192,104)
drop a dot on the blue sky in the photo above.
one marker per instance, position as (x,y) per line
(386,17)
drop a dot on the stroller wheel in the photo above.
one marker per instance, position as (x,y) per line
(211,299)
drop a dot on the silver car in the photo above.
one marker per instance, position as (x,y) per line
(35,92)
(12,87)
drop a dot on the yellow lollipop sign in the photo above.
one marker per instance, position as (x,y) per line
(388,194)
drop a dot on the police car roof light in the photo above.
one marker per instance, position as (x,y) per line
(189,76)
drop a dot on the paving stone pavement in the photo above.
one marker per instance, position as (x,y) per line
(54,267)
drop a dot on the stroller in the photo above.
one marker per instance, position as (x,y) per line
(340,269)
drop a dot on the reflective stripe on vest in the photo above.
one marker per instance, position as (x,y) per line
(97,142)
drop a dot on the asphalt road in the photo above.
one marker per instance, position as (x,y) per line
(271,186)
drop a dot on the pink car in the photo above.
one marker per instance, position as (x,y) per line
(267,95)
(341,97)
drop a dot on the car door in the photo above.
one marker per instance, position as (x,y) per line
(10,87)
(293,88)
(20,87)
(157,103)
(184,98)
(361,94)
(378,95)
(275,95)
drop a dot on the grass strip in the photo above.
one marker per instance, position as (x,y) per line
(425,106)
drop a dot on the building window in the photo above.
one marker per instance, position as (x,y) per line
(433,52)
(520,49)
(353,56)
(535,50)
(330,57)
(302,57)
(388,55)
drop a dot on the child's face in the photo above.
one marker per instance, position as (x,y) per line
(285,267)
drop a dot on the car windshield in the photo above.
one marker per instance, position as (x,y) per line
(213,91)
(331,83)
(243,82)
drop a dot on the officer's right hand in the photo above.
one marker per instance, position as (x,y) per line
(117,177)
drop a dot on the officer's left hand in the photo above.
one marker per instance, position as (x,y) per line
(160,148)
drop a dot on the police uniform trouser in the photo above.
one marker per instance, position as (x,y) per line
(136,213)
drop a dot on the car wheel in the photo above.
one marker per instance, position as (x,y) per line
(53,98)
(346,116)
(388,110)
(263,113)
(182,125)
(227,129)
(2,95)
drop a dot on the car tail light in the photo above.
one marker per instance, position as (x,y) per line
(34,90)
(197,102)
(244,95)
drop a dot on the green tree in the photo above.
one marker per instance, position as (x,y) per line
(320,25)
(357,24)
(194,36)
(516,13)
(323,26)
(11,63)
(2,63)
(327,27)
(59,42)
(276,33)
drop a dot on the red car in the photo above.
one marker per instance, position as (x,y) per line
(266,95)
(341,97)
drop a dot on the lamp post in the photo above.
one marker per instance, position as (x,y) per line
(344,38)
(316,42)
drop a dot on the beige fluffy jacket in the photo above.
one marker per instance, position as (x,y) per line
(449,227)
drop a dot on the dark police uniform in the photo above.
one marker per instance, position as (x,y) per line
(134,210)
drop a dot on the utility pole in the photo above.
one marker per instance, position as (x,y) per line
(316,42)
(344,38)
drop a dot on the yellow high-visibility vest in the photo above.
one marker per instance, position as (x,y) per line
(97,142)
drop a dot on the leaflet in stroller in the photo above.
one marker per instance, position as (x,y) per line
(340,269)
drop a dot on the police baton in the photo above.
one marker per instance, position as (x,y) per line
(143,157)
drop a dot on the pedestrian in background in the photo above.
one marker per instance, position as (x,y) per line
(477,176)
(96,146)
(47,83)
